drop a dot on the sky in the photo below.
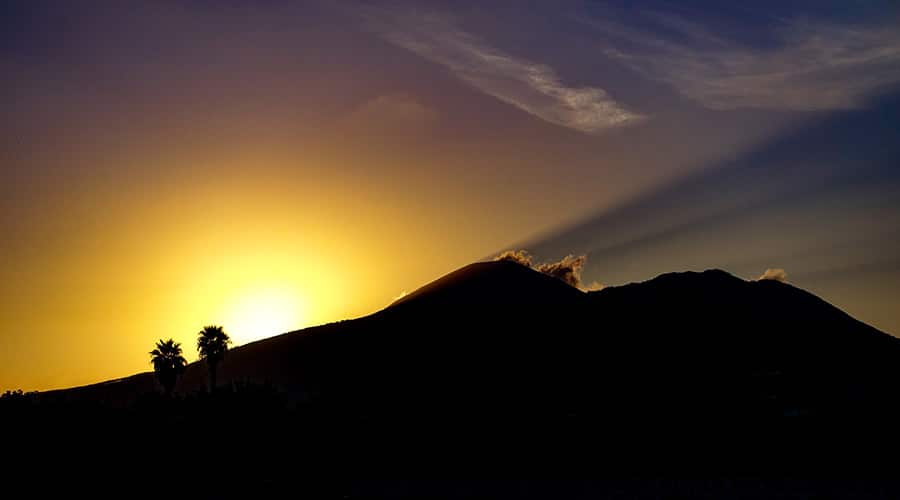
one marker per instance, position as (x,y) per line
(271,165)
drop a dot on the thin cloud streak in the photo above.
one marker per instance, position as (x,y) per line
(814,67)
(532,87)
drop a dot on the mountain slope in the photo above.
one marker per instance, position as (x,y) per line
(492,284)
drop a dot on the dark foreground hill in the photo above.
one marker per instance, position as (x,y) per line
(496,370)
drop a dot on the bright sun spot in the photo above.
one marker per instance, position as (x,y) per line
(258,314)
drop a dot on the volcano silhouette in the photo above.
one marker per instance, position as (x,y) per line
(498,338)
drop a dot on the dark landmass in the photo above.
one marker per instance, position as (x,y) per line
(500,368)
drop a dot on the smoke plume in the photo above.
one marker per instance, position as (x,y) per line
(567,269)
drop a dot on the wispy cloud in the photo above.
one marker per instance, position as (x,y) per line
(532,87)
(811,66)
(392,114)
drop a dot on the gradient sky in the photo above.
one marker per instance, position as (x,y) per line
(271,165)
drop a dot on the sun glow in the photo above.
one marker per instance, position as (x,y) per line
(257,314)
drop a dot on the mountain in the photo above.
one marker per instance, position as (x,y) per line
(492,284)
(713,341)
(497,338)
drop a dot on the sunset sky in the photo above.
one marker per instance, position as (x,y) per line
(271,165)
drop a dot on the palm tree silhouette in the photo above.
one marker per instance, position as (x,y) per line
(168,363)
(212,344)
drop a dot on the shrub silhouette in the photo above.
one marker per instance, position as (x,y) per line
(212,344)
(12,394)
(168,363)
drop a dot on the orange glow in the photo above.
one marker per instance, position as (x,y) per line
(265,170)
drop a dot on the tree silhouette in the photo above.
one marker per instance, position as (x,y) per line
(168,363)
(212,344)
